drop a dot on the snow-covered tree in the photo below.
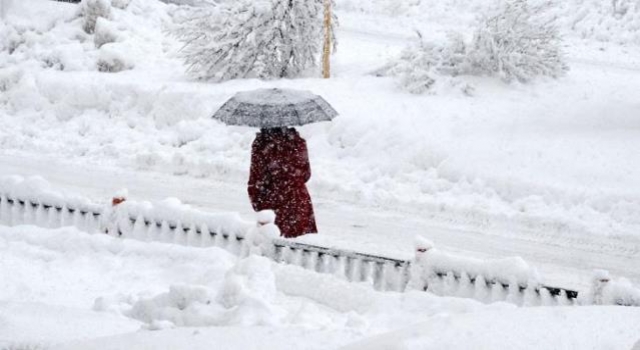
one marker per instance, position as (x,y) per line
(253,38)
(91,10)
(515,42)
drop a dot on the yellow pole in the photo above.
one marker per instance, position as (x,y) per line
(326,52)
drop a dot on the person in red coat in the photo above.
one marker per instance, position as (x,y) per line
(279,171)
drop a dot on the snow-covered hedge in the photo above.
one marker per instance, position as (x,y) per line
(246,38)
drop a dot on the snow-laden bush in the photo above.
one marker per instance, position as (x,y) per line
(420,65)
(91,10)
(615,21)
(105,32)
(112,59)
(622,7)
(517,42)
(121,4)
(248,38)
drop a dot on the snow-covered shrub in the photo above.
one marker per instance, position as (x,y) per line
(91,10)
(622,7)
(121,4)
(517,42)
(248,38)
(9,78)
(105,32)
(420,65)
(112,61)
(608,21)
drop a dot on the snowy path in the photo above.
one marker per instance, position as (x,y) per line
(563,261)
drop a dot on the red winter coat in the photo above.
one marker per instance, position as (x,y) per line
(279,170)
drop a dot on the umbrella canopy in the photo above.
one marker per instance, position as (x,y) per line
(274,108)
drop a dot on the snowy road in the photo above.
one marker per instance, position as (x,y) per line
(564,260)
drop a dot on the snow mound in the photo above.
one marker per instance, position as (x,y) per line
(249,292)
(182,306)
(245,297)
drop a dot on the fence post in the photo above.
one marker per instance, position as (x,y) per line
(418,278)
(599,283)
(110,224)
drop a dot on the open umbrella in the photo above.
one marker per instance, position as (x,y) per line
(274,108)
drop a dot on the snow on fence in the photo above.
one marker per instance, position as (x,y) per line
(510,279)
(32,202)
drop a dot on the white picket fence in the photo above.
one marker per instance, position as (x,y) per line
(511,280)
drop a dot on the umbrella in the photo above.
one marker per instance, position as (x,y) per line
(274,108)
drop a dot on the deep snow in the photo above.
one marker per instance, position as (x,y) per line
(548,171)
(163,296)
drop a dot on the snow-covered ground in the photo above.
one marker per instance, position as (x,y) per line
(65,289)
(548,171)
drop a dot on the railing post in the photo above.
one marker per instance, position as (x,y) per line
(260,240)
(110,222)
(599,283)
(417,271)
